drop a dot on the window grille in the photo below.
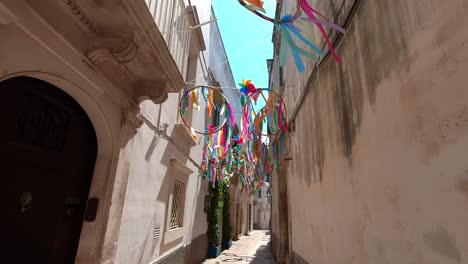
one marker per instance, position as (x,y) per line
(177,205)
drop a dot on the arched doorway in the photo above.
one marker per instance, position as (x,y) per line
(48,148)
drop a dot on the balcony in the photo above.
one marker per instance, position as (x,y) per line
(173,20)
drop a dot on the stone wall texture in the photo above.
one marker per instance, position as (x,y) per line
(198,249)
(379,145)
(175,257)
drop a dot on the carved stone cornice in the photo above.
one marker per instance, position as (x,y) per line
(127,54)
(99,56)
(181,167)
(154,90)
(120,38)
(130,117)
(79,16)
(104,3)
(185,134)
(111,68)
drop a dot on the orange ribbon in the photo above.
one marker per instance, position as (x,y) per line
(257,3)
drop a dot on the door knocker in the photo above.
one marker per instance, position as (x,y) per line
(26,202)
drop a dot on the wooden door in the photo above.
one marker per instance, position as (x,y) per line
(48,150)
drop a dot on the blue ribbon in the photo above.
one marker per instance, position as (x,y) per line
(294,52)
(301,37)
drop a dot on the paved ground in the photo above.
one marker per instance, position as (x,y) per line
(254,249)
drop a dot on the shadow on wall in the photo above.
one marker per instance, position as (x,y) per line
(263,255)
(172,152)
(199,244)
(353,90)
(148,248)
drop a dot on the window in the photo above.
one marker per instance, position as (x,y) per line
(177,207)
(216,117)
(281,78)
(191,75)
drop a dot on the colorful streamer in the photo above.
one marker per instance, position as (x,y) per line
(214,103)
(292,27)
(250,154)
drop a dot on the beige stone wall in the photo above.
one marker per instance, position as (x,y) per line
(379,171)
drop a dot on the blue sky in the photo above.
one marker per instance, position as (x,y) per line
(247,39)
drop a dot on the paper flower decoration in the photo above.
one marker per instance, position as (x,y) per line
(247,87)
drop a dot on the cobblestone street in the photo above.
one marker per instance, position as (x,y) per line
(254,249)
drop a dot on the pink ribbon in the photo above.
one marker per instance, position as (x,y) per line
(310,12)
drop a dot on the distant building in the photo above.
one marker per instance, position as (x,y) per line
(262,208)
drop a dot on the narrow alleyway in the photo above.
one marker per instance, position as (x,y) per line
(254,249)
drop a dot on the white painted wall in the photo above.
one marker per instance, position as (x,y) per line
(262,209)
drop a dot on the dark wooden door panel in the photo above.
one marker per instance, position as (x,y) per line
(48,149)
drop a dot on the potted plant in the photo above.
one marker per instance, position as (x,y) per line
(213,219)
(227,227)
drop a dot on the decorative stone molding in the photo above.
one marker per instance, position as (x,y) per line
(154,90)
(104,3)
(181,167)
(185,134)
(112,69)
(130,116)
(79,16)
(99,56)
(127,54)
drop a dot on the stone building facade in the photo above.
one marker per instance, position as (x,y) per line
(377,169)
(105,172)
(262,208)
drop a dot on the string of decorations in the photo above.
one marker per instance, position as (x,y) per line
(297,26)
(245,153)
(252,150)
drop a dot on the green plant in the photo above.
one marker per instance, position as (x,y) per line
(213,214)
(227,227)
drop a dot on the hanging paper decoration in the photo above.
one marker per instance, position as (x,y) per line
(247,87)
(264,120)
(255,150)
(293,27)
(205,101)
(272,117)
(255,5)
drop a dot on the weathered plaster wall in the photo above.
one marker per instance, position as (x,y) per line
(379,169)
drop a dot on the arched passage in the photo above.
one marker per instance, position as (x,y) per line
(49,147)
